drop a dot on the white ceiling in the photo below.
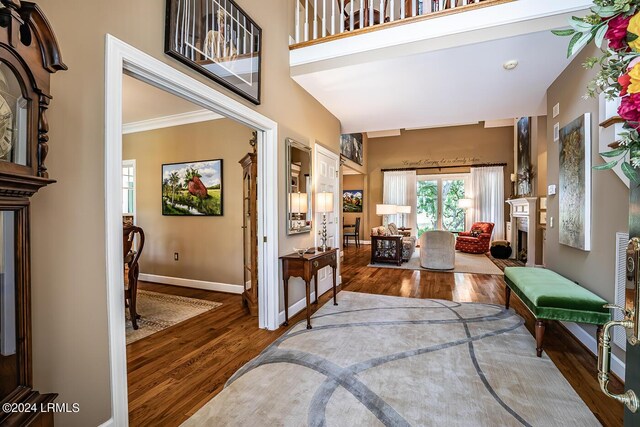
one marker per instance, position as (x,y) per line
(142,102)
(457,85)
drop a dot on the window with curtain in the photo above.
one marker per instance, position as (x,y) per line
(400,190)
(487,188)
(437,202)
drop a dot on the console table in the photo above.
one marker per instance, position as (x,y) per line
(307,267)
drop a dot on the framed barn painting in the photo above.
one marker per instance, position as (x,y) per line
(352,201)
(218,39)
(192,189)
(351,147)
(575,184)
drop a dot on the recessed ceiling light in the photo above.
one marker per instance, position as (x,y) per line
(510,65)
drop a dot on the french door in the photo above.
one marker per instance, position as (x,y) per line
(437,202)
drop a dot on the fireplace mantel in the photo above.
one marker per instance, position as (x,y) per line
(525,207)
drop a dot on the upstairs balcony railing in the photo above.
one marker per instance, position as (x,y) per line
(323,20)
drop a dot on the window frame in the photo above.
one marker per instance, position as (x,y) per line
(131,164)
(439,178)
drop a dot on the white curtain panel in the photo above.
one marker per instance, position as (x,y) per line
(487,192)
(400,188)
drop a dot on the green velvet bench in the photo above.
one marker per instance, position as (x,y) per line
(549,296)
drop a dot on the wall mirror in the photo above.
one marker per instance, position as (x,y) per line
(299,181)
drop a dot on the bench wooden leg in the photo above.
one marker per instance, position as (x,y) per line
(539,336)
(507,296)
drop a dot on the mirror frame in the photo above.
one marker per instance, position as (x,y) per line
(290,144)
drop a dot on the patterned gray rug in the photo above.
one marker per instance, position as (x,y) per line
(377,360)
(159,311)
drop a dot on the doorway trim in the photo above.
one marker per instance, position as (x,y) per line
(122,58)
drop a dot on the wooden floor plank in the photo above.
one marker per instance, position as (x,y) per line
(175,372)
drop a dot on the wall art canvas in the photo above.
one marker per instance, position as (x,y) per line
(575,184)
(351,147)
(524,157)
(352,201)
(192,189)
(218,39)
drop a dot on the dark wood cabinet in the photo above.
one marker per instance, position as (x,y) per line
(29,54)
(250,231)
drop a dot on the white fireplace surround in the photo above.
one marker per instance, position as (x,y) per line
(525,207)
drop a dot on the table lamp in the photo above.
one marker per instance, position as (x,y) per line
(384,210)
(298,205)
(324,205)
(402,210)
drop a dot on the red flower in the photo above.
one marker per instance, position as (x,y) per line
(617,32)
(630,110)
(625,81)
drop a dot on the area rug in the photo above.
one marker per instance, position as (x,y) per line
(379,360)
(465,263)
(160,311)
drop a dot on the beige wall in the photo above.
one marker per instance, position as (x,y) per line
(595,270)
(210,248)
(68,233)
(416,148)
(356,182)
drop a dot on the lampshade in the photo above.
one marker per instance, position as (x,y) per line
(298,203)
(404,209)
(386,209)
(324,202)
(465,203)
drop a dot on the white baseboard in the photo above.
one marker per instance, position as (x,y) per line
(295,308)
(617,365)
(108,423)
(189,283)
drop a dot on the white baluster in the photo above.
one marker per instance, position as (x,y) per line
(351,16)
(361,14)
(414,7)
(333,17)
(306,20)
(441,4)
(297,21)
(402,11)
(342,16)
(324,18)
(381,11)
(392,13)
(315,19)
(370,8)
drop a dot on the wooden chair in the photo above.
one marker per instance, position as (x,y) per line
(358,14)
(355,234)
(132,268)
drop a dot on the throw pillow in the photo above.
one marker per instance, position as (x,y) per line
(476,232)
(393,229)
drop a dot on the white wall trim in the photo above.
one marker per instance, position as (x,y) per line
(617,365)
(296,308)
(121,58)
(170,121)
(191,283)
(108,423)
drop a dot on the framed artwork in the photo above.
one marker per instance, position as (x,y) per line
(524,157)
(575,184)
(556,132)
(192,189)
(351,147)
(218,39)
(352,201)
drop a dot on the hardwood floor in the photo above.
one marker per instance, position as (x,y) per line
(175,372)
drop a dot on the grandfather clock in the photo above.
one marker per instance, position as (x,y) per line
(29,54)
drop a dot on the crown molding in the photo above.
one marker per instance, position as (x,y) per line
(170,121)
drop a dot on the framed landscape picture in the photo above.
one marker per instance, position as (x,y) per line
(218,39)
(192,189)
(352,201)
(575,184)
(351,147)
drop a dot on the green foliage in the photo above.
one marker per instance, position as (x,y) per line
(180,202)
(429,205)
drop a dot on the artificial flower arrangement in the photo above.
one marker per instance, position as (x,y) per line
(615,27)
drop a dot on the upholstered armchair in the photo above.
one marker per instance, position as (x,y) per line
(476,241)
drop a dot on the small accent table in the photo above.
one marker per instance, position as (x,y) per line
(307,267)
